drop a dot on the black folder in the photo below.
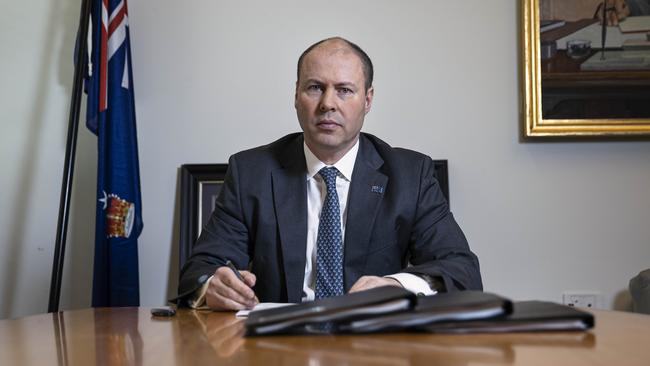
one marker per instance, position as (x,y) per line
(443,307)
(376,310)
(527,316)
(322,315)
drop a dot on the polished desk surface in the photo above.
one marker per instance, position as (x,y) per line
(125,336)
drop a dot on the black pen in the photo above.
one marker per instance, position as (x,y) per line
(239,276)
(232,267)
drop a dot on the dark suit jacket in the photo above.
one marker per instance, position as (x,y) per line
(260,221)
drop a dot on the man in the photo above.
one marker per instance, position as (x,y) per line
(329,210)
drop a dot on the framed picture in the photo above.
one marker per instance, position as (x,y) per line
(583,76)
(200,187)
(442,175)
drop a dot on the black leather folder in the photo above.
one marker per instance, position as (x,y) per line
(527,316)
(322,315)
(443,307)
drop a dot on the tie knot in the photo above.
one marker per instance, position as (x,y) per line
(329,176)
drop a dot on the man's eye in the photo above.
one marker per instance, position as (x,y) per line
(314,88)
(345,91)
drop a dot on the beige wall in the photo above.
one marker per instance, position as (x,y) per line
(216,76)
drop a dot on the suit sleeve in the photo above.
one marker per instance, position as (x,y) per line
(438,247)
(225,237)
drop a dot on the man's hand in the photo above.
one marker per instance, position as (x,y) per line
(617,10)
(368,282)
(227,292)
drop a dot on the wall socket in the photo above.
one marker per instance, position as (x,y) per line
(582,299)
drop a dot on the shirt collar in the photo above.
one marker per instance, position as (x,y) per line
(345,165)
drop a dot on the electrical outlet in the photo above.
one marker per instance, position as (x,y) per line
(582,299)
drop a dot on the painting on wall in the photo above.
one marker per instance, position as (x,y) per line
(586,67)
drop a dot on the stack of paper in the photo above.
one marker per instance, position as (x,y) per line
(635,24)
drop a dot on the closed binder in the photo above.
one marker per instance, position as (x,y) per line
(322,315)
(443,307)
(527,316)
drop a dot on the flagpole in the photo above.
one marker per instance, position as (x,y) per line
(70,152)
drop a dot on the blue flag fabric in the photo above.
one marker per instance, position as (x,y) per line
(111,116)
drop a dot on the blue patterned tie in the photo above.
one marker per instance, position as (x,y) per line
(329,245)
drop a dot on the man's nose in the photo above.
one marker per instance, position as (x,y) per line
(328,101)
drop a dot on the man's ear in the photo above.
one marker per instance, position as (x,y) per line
(295,96)
(369,95)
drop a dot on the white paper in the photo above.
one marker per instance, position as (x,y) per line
(261,306)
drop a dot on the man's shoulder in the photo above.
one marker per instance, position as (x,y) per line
(274,153)
(393,154)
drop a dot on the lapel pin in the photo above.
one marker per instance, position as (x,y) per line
(377,189)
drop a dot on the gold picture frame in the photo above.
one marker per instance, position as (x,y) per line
(535,123)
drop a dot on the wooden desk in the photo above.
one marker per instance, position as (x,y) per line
(131,336)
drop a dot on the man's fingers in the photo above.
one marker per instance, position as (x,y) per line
(249,278)
(227,292)
(228,277)
(218,302)
(368,282)
(224,290)
(360,284)
(232,287)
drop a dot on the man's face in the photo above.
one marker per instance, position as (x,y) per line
(331,100)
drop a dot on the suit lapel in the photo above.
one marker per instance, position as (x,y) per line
(366,193)
(290,202)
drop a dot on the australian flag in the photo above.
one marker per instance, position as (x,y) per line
(111,116)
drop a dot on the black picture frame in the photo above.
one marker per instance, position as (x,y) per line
(201,184)
(442,175)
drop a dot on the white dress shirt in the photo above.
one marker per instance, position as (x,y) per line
(316,190)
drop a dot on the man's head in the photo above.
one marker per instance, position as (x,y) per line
(368,70)
(333,94)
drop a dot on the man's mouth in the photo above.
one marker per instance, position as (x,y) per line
(327,124)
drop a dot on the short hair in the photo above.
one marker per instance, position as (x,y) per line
(366,63)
